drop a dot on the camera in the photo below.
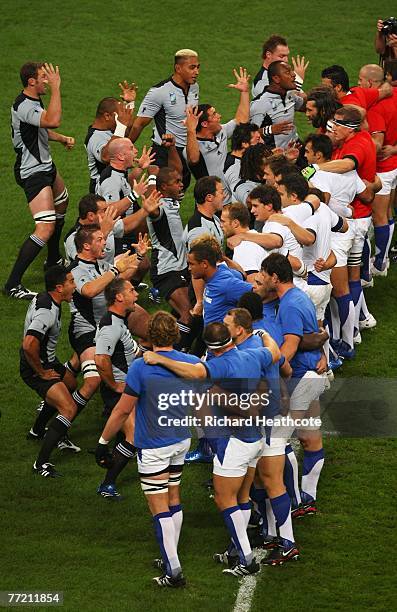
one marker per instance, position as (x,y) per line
(389,26)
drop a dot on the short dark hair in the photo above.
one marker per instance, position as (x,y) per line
(163,176)
(278,164)
(216,332)
(29,71)
(116,286)
(252,162)
(238,212)
(326,102)
(203,250)
(272,42)
(252,302)
(242,317)
(89,203)
(321,143)
(294,182)
(274,69)
(106,105)
(205,186)
(163,329)
(278,264)
(242,135)
(337,75)
(202,108)
(84,235)
(56,275)
(267,195)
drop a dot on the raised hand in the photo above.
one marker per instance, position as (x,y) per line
(292,150)
(192,118)
(53,77)
(242,80)
(123,114)
(300,66)
(128,91)
(108,219)
(146,159)
(152,202)
(140,187)
(143,245)
(126,261)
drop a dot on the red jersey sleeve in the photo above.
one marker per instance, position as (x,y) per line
(376,122)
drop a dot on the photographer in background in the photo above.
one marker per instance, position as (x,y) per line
(386,46)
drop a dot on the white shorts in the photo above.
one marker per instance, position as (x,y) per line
(308,389)
(275,440)
(237,457)
(389,181)
(360,228)
(341,245)
(320,296)
(157,460)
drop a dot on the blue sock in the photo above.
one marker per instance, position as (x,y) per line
(235,524)
(291,476)
(356,291)
(346,317)
(165,535)
(313,462)
(259,496)
(365,260)
(177,518)
(382,234)
(281,507)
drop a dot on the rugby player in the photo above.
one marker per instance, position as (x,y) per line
(32,128)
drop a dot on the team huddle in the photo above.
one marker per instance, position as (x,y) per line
(264,284)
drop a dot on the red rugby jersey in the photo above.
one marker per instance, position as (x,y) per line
(361,149)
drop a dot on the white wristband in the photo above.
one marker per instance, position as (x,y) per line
(120,129)
(103,441)
(152,179)
(130,105)
(299,82)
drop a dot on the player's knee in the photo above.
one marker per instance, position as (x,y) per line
(45,224)
(154,486)
(68,409)
(91,376)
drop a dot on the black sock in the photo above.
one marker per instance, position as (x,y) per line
(53,254)
(45,415)
(185,337)
(27,253)
(80,402)
(57,430)
(123,452)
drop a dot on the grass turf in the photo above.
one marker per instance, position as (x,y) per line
(59,535)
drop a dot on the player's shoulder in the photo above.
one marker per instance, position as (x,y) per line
(230,162)
(164,84)
(106,321)
(44,301)
(105,174)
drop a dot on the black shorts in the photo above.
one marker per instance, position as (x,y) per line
(34,381)
(109,398)
(170,281)
(83,342)
(36,182)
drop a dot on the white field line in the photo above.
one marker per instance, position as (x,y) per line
(247,587)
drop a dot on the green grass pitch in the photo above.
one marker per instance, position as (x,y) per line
(59,535)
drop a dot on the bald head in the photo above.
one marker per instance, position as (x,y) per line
(371,76)
(122,153)
(118,146)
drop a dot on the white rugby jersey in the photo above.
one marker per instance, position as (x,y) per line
(323,222)
(249,255)
(166,103)
(341,187)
